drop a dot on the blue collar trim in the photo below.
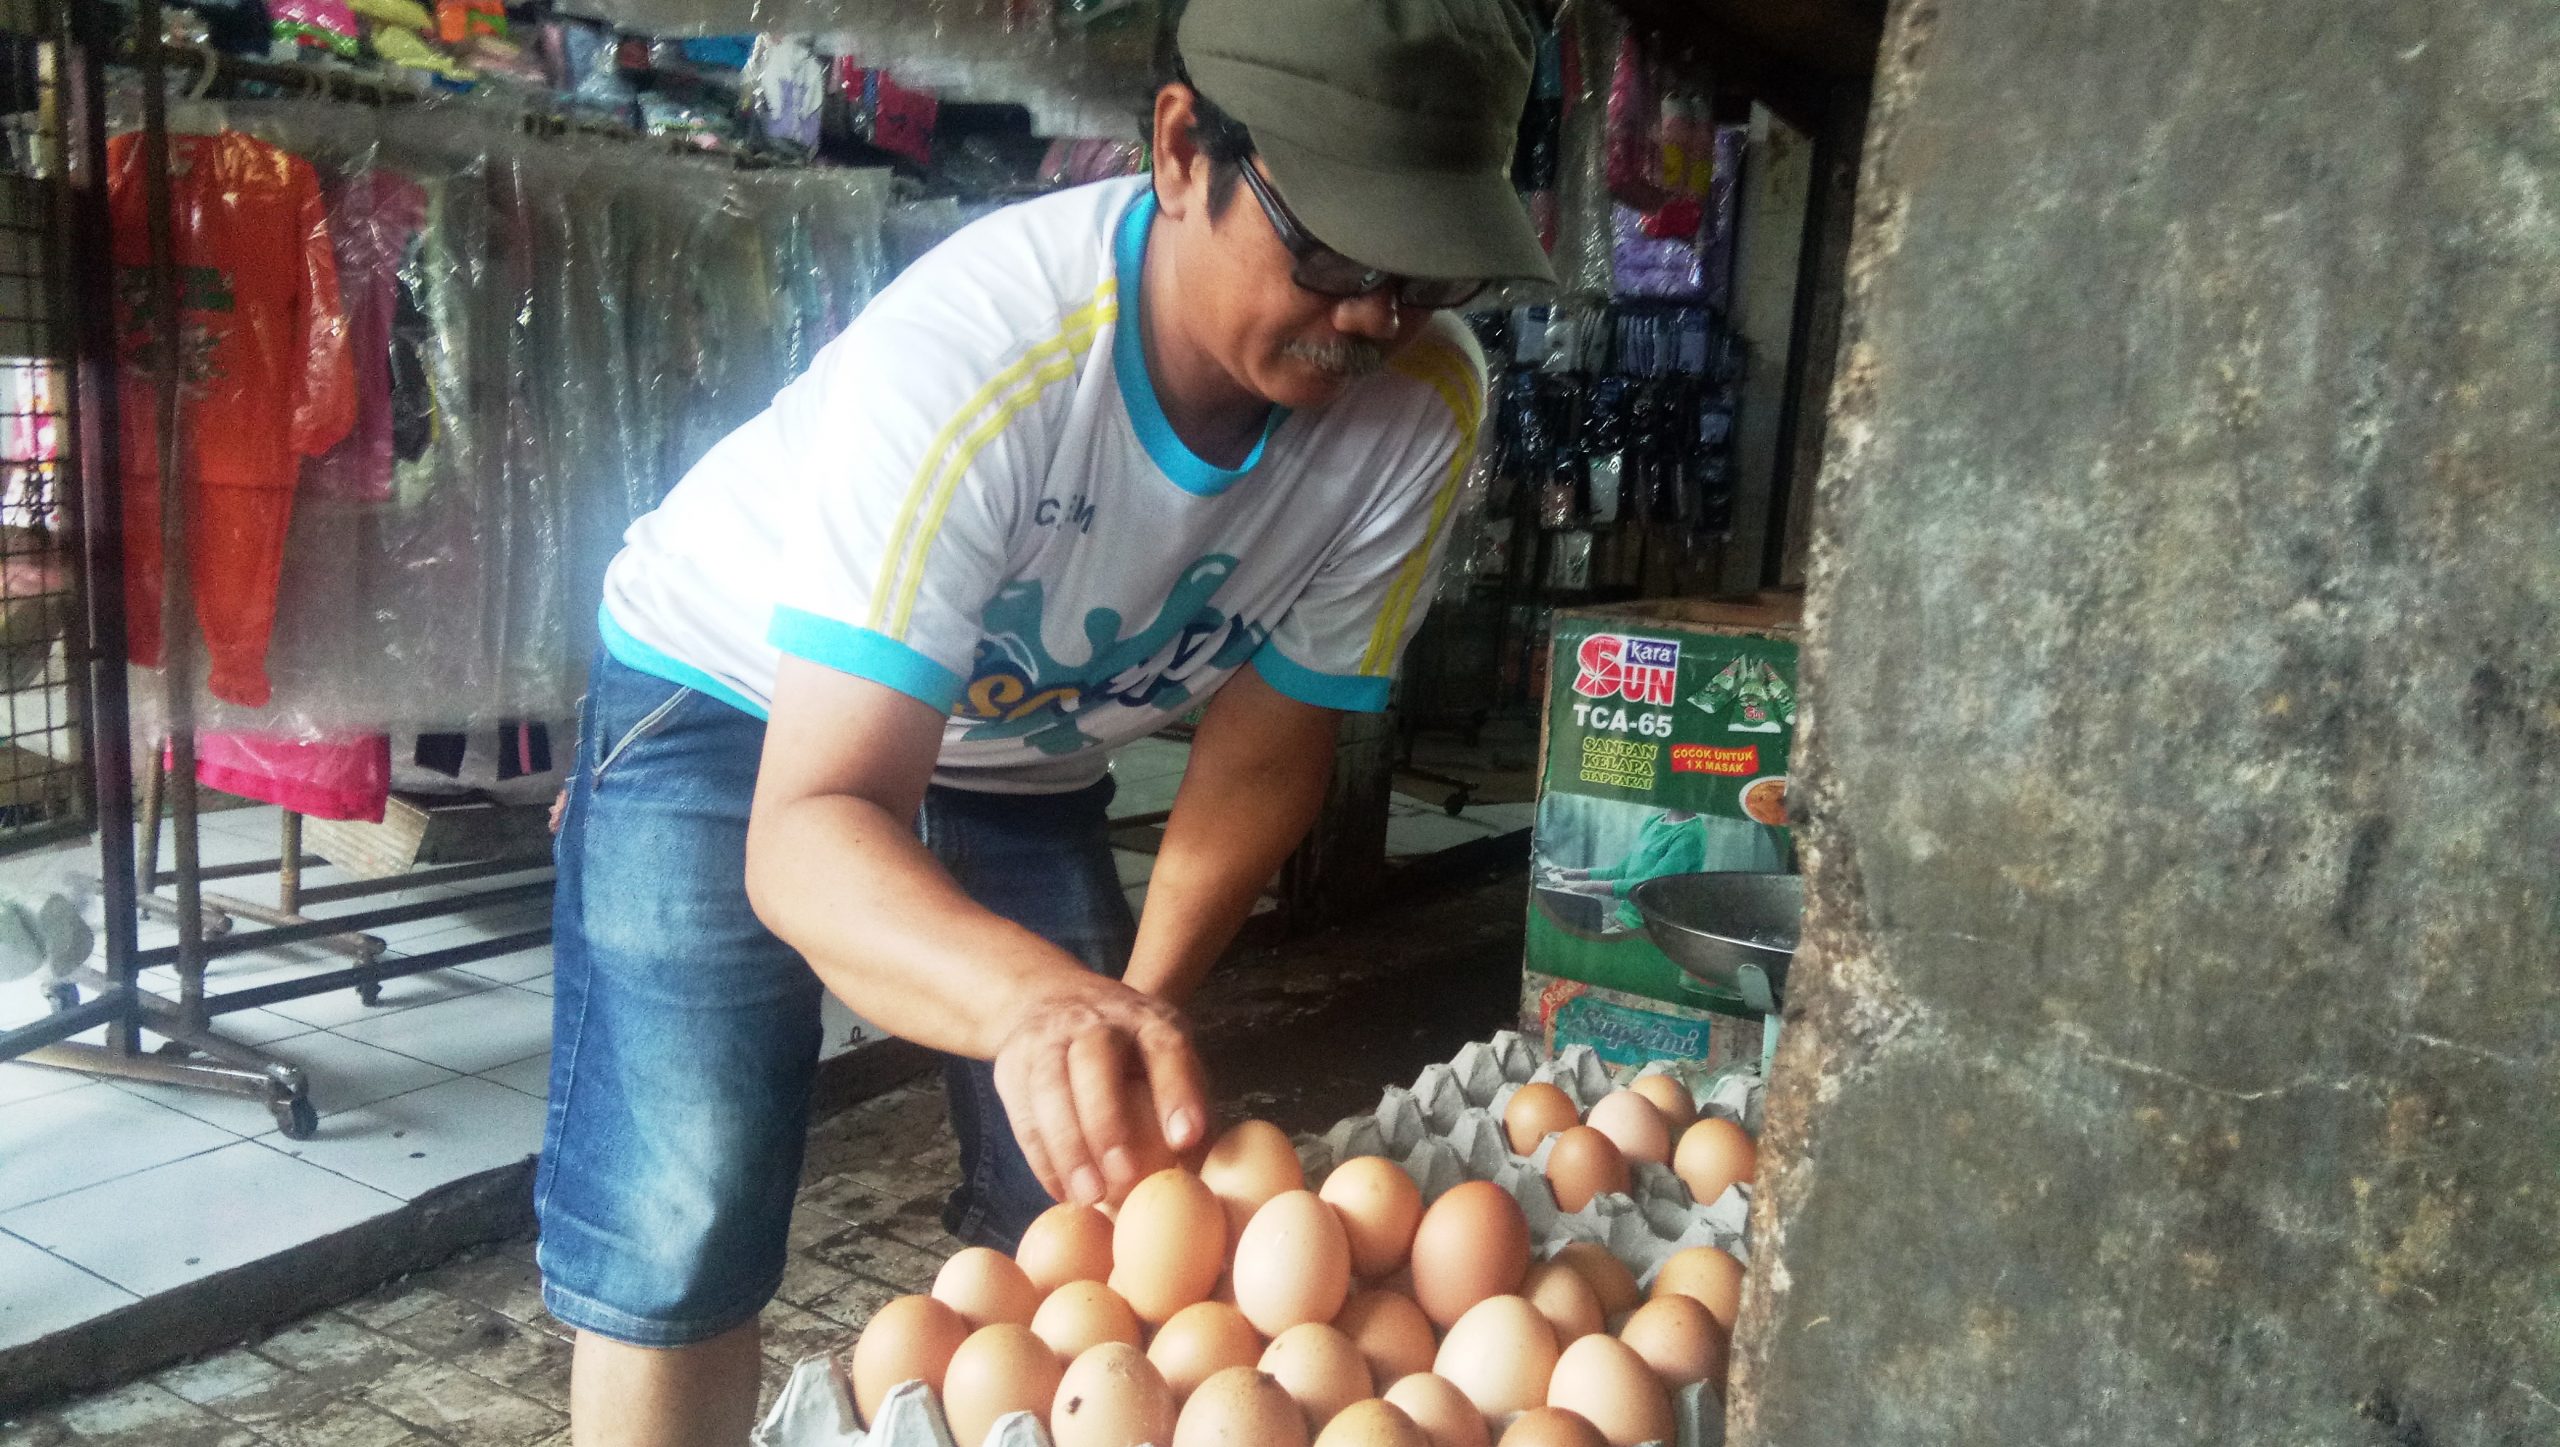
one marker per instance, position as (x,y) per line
(1188,470)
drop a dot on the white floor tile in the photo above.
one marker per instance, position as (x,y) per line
(41,1293)
(539,984)
(343,1008)
(258,1027)
(73,1139)
(1413,834)
(1145,796)
(1505,818)
(26,1082)
(531,1075)
(181,1222)
(512,969)
(413,1143)
(477,1032)
(341,1075)
(841,1029)
(1135,868)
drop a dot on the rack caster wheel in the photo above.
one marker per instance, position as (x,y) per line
(1459,801)
(369,993)
(61,997)
(295,1117)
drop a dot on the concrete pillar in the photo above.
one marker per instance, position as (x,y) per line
(2172,1060)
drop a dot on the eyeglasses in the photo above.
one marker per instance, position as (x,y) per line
(1327,272)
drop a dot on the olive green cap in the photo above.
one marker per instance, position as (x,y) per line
(1387,125)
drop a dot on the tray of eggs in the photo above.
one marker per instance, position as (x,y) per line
(1646,1169)
(1299,1294)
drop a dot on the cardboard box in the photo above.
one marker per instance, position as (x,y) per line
(1669,729)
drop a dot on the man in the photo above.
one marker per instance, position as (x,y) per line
(1097,458)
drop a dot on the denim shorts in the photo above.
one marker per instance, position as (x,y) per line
(685,1035)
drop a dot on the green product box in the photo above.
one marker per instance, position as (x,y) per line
(1668,731)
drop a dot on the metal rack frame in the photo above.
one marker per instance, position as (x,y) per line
(76,39)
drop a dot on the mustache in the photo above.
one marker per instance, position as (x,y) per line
(1352,357)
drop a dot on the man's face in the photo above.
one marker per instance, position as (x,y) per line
(1273,337)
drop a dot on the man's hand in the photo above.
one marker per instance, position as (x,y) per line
(1103,1089)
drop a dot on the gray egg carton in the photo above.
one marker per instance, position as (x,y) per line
(1448,1129)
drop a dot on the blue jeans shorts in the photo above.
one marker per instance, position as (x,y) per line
(685,1035)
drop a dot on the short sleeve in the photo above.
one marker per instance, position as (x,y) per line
(913,459)
(1339,644)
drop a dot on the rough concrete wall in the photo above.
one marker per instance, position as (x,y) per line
(2173,1059)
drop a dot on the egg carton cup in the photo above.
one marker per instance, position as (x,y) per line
(815,1410)
(1447,1130)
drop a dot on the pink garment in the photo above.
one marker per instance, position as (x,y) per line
(373,217)
(341,778)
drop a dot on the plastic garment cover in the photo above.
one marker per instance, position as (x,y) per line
(566,325)
(1584,243)
(1079,66)
(261,375)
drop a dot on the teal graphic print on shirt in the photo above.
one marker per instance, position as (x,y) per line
(1017,690)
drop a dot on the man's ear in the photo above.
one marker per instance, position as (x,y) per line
(1181,171)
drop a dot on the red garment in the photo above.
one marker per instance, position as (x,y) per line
(373,217)
(265,381)
(336,778)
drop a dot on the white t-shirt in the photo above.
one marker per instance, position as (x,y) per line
(973,497)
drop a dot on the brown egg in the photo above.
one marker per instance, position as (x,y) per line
(1082,1315)
(1370,1423)
(1472,1244)
(1679,1338)
(1393,1335)
(1202,1340)
(1610,1279)
(1380,1206)
(1565,1300)
(1241,1407)
(1602,1380)
(1063,1244)
(1320,1369)
(999,1369)
(1500,1354)
(1714,1154)
(1552,1427)
(1292,1264)
(1630,1120)
(1582,1164)
(1536,1111)
(1442,1411)
(1670,1097)
(1111,1397)
(1168,1245)
(986,1287)
(1249,1165)
(1714,1277)
(909,1340)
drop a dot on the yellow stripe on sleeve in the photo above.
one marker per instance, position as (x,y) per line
(1449,374)
(1074,330)
(1057,363)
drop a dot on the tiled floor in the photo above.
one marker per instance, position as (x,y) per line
(111,1190)
(464,1354)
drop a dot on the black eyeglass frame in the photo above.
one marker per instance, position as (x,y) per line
(1356,280)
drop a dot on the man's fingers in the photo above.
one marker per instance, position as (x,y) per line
(1053,1106)
(1179,1087)
(1098,1062)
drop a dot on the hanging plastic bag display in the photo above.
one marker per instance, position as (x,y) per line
(546,334)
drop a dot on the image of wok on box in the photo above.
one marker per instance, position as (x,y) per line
(1668,734)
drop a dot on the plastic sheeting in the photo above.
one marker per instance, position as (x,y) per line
(569,324)
(1080,66)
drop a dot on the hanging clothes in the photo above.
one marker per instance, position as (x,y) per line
(264,381)
(330,778)
(375,216)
